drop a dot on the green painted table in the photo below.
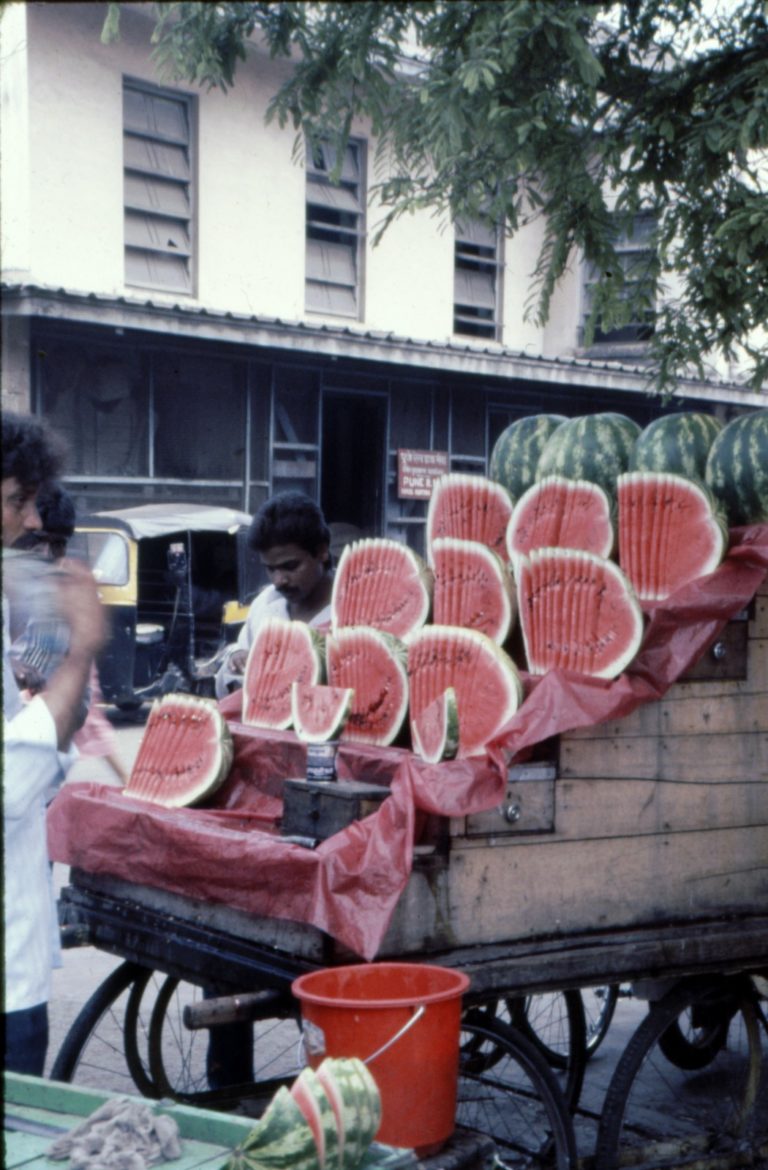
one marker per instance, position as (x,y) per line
(36,1112)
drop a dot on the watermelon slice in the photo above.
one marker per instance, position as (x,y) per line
(669,532)
(561,513)
(312,1100)
(372,664)
(185,752)
(577,612)
(435,731)
(283,652)
(473,588)
(383,584)
(469,507)
(484,678)
(355,1098)
(318,711)
(281,1138)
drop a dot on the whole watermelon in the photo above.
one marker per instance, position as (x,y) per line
(516,452)
(737,468)
(595,447)
(676,443)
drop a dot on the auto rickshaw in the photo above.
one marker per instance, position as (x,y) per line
(177,580)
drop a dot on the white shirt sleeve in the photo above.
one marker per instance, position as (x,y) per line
(31,760)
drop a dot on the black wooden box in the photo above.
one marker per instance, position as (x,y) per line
(318,809)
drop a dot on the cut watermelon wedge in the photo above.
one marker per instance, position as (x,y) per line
(469,507)
(577,612)
(669,532)
(383,584)
(561,513)
(311,1098)
(282,1137)
(184,755)
(372,664)
(283,652)
(484,678)
(318,711)
(435,731)
(473,588)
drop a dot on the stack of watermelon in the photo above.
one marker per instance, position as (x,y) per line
(325,1121)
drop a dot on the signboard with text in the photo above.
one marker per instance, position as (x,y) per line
(416,472)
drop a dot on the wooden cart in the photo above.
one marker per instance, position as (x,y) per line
(634,851)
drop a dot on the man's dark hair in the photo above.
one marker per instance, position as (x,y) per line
(56,510)
(289,518)
(32,453)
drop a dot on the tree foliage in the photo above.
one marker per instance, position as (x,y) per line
(581,114)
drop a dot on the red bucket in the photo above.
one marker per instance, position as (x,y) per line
(403,1020)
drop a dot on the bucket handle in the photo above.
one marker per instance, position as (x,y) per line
(393,1039)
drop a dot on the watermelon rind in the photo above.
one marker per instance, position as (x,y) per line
(282,652)
(737,469)
(373,664)
(319,711)
(670,532)
(572,605)
(678,443)
(435,731)
(381,583)
(516,452)
(360,1103)
(487,685)
(562,513)
(309,1094)
(595,447)
(473,588)
(185,753)
(282,1138)
(468,507)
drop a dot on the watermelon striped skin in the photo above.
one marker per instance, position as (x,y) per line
(737,469)
(473,588)
(516,452)
(283,652)
(595,447)
(351,1086)
(381,583)
(669,532)
(678,443)
(468,507)
(372,663)
(185,753)
(485,679)
(313,1101)
(561,513)
(281,1140)
(578,612)
(435,732)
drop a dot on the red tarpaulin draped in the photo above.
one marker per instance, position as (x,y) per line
(230,852)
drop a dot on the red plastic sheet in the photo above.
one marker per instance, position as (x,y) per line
(231,852)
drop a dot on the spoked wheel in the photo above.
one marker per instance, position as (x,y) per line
(507,1092)
(555,1022)
(710,1112)
(599,1007)
(107,1045)
(263,1054)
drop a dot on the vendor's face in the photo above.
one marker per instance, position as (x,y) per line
(20,514)
(293,571)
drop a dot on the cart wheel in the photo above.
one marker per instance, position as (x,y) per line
(507,1092)
(555,1022)
(696,1036)
(599,1007)
(708,1115)
(106,1047)
(178,1056)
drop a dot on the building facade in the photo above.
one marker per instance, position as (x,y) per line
(202,314)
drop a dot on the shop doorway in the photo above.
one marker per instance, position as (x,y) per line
(353,448)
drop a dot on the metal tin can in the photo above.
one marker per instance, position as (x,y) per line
(321,760)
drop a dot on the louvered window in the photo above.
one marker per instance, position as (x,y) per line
(635,251)
(157,177)
(476,281)
(335,231)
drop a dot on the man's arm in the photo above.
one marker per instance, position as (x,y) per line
(78,604)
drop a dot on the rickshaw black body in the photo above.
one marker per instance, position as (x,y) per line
(176,580)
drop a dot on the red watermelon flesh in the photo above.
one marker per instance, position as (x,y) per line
(381,583)
(372,663)
(577,612)
(318,711)
(473,588)
(484,678)
(435,731)
(283,652)
(312,1100)
(669,532)
(469,507)
(185,753)
(561,513)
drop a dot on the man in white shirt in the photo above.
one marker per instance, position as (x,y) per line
(36,744)
(291,536)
